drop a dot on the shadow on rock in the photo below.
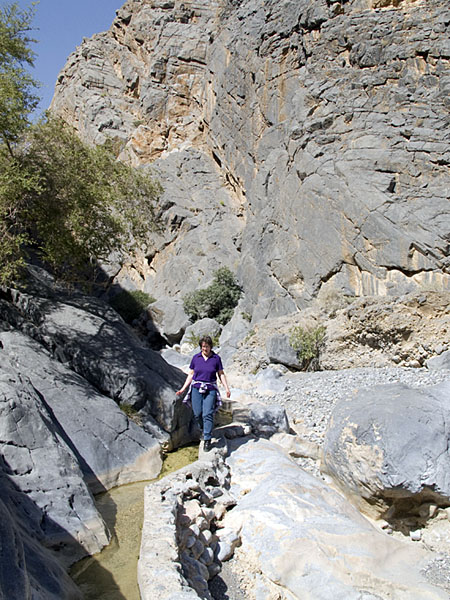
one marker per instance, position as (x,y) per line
(27,564)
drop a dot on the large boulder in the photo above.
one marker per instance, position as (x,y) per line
(41,462)
(90,338)
(279,350)
(28,570)
(301,539)
(169,318)
(233,333)
(387,448)
(442,361)
(110,448)
(199,329)
(264,420)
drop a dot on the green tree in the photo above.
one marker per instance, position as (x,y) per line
(69,203)
(18,96)
(217,301)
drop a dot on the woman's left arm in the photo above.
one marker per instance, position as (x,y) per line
(223,379)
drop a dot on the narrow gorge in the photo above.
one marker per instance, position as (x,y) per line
(303,146)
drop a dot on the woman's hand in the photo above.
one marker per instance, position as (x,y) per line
(187,383)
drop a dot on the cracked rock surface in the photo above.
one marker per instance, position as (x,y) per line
(319,130)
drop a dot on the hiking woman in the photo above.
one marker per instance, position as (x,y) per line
(203,391)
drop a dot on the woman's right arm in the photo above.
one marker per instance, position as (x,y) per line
(187,383)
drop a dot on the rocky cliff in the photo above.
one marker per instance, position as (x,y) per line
(67,362)
(304,144)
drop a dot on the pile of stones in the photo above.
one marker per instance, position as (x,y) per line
(183,542)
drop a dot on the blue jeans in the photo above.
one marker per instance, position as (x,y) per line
(203,408)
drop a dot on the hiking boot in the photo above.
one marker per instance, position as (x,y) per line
(207,445)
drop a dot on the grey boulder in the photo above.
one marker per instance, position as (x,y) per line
(28,570)
(169,318)
(442,361)
(264,420)
(386,447)
(110,448)
(200,328)
(91,339)
(41,462)
(280,351)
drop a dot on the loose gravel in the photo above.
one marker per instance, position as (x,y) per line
(309,398)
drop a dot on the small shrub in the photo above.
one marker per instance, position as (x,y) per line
(130,305)
(307,343)
(249,335)
(216,301)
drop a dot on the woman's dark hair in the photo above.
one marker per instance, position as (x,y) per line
(205,340)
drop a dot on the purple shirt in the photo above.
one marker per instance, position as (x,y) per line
(206,370)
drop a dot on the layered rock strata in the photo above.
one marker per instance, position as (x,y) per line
(323,124)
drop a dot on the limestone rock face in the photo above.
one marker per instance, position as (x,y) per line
(301,539)
(111,450)
(321,124)
(66,362)
(28,570)
(386,447)
(40,462)
(91,339)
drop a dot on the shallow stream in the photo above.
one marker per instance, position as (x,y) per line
(112,574)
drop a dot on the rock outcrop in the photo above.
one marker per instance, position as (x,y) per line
(41,463)
(91,339)
(411,330)
(110,448)
(67,361)
(301,539)
(319,127)
(28,570)
(386,447)
(292,536)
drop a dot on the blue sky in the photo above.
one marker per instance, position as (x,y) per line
(60,27)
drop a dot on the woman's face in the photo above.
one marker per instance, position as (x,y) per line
(206,349)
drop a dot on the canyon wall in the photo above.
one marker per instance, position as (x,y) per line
(303,143)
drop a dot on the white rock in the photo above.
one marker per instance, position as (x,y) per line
(224,550)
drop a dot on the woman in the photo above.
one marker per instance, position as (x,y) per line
(202,384)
